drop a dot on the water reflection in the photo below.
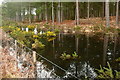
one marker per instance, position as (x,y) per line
(96,49)
(44,72)
(77,44)
(81,70)
(105,46)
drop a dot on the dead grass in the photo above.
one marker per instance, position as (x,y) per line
(8,63)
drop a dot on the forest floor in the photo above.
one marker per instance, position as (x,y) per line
(83,22)
(86,25)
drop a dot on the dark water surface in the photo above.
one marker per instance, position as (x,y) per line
(94,51)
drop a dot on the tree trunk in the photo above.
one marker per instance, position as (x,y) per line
(61,19)
(88,15)
(29,14)
(40,16)
(20,16)
(23,15)
(52,14)
(46,17)
(17,16)
(77,12)
(103,10)
(107,13)
(117,13)
(59,12)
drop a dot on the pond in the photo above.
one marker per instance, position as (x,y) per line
(93,50)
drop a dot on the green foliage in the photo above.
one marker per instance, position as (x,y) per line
(107,72)
(29,39)
(31,27)
(19,35)
(39,10)
(65,56)
(74,55)
(118,31)
(49,35)
(37,44)
(77,28)
(118,59)
(8,22)
(23,37)
(117,74)
(98,28)
(8,28)
(110,30)
(47,26)
(57,30)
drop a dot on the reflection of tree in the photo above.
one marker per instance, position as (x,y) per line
(77,45)
(109,48)
(105,46)
(115,44)
(83,70)
(44,72)
(87,44)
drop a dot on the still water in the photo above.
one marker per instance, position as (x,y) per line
(93,50)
